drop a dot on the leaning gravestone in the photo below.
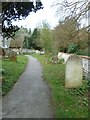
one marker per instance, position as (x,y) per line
(73,72)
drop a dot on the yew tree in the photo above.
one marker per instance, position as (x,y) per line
(12,11)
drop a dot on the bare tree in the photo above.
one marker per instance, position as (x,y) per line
(77,9)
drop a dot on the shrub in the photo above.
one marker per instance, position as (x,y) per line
(72,48)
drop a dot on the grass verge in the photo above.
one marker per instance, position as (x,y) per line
(13,70)
(67,103)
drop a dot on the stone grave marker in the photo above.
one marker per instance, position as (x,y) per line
(73,72)
(54,59)
(13,56)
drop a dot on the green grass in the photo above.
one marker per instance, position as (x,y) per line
(13,70)
(67,103)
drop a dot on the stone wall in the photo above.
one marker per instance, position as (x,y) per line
(85,62)
(86,66)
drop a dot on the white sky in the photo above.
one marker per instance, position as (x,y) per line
(48,13)
(35,19)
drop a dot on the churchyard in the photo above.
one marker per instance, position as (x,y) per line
(65,78)
(62,59)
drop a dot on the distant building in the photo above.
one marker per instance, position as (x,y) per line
(4,45)
(11,44)
(16,45)
(4,42)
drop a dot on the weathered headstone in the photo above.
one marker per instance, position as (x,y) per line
(13,56)
(54,59)
(73,72)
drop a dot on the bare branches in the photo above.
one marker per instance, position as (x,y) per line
(76,9)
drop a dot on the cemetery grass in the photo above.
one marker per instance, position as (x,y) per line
(13,70)
(67,103)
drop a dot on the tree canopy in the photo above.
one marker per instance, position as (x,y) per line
(13,11)
(67,33)
(31,40)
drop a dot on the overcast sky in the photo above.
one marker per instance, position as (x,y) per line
(48,13)
(35,19)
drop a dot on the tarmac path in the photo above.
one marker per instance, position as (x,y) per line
(30,96)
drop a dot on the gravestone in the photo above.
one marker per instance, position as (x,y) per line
(54,59)
(73,72)
(13,56)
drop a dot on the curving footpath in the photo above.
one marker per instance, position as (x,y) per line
(30,97)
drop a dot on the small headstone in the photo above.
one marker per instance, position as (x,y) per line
(73,72)
(54,59)
(13,56)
